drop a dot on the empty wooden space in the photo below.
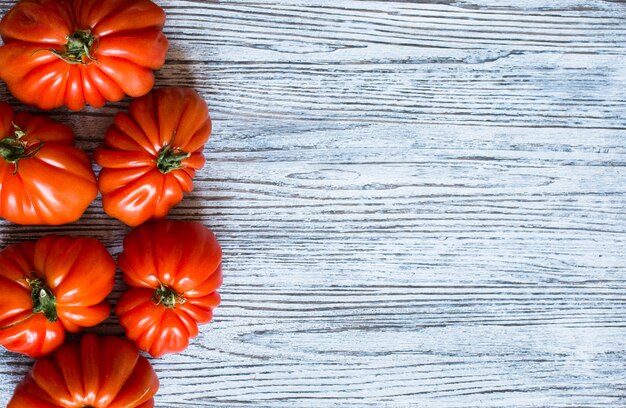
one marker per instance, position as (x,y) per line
(421,203)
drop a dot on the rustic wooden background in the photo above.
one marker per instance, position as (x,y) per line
(421,203)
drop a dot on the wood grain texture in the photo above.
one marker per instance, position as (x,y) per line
(421,203)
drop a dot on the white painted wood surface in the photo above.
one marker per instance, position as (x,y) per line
(421,203)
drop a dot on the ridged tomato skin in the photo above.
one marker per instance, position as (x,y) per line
(151,154)
(53,182)
(51,286)
(99,371)
(76,52)
(173,270)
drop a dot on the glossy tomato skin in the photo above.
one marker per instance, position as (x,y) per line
(78,272)
(54,186)
(126,45)
(166,128)
(179,259)
(102,371)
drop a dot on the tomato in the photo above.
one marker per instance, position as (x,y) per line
(73,52)
(44,179)
(54,285)
(151,154)
(102,371)
(173,269)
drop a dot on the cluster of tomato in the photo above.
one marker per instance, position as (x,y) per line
(72,53)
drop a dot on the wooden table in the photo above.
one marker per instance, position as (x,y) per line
(421,203)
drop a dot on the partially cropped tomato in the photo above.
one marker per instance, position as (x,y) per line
(72,52)
(151,154)
(173,269)
(97,372)
(44,179)
(54,285)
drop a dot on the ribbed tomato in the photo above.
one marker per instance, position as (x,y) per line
(55,284)
(151,154)
(173,269)
(44,179)
(72,52)
(97,372)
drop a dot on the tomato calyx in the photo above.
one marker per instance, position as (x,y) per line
(80,48)
(171,158)
(15,148)
(167,297)
(44,300)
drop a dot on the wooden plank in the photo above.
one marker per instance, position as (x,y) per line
(421,203)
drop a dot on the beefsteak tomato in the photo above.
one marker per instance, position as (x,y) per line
(173,269)
(72,52)
(44,179)
(97,372)
(55,284)
(151,154)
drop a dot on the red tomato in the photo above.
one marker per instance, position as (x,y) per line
(72,52)
(97,372)
(44,179)
(56,284)
(173,269)
(151,154)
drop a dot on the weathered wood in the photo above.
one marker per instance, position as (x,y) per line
(421,203)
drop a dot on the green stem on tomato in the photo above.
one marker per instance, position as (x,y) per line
(80,48)
(15,148)
(171,158)
(44,300)
(167,297)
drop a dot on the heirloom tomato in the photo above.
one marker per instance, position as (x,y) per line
(173,269)
(55,284)
(73,52)
(44,179)
(102,372)
(150,154)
